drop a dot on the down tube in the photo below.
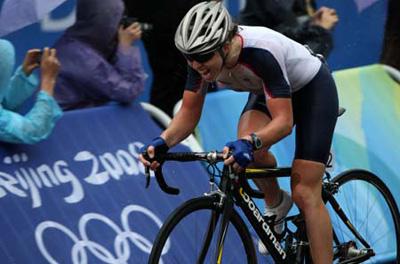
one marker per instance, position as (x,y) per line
(260,226)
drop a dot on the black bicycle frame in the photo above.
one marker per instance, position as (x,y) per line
(234,189)
(231,187)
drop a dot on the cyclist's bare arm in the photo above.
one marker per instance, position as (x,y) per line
(185,121)
(181,126)
(281,123)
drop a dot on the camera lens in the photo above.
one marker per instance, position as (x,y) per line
(146,26)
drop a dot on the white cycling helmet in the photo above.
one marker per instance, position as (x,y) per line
(205,28)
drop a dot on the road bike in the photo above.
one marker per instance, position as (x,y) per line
(210,229)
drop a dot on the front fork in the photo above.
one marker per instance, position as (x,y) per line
(227,210)
(225,203)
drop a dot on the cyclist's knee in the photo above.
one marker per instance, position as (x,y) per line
(305,198)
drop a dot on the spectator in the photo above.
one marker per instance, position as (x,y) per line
(297,19)
(99,62)
(168,65)
(38,123)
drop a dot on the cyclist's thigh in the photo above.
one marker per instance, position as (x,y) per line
(315,110)
(255,115)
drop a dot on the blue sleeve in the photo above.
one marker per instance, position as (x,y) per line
(20,88)
(267,67)
(35,126)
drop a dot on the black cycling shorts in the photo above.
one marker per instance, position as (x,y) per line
(315,111)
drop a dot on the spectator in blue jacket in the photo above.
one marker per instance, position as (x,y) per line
(15,89)
(100,64)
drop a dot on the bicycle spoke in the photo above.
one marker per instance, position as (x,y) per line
(368,209)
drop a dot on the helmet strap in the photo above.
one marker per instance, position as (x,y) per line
(223,56)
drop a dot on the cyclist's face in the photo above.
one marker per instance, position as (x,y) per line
(208,69)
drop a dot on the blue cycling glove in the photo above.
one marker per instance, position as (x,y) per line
(242,151)
(159,144)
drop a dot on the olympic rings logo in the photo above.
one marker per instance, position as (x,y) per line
(83,243)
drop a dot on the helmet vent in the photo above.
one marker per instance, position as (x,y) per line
(204,28)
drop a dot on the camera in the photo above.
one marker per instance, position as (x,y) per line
(126,21)
(38,59)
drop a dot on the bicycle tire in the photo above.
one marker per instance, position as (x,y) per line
(208,203)
(372,210)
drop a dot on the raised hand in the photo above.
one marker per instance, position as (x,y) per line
(325,17)
(31,61)
(50,67)
(129,34)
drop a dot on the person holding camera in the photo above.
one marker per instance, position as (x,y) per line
(15,89)
(100,62)
(168,66)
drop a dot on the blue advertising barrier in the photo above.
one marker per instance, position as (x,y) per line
(80,197)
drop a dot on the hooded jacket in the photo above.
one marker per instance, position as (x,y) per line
(15,89)
(94,69)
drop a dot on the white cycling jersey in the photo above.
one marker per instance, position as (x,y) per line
(269,63)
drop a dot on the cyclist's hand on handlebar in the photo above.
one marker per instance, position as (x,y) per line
(150,151)
(153,164)
(242,154)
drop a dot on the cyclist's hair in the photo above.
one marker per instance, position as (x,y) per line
(205,28)
(232,32)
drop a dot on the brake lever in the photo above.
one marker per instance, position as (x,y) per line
(147,169)
(147,175)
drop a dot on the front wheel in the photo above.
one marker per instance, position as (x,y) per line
(188,236)
(372,210)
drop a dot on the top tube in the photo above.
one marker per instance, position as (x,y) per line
(253,173)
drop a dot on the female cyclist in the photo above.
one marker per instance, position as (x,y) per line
(288,85)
